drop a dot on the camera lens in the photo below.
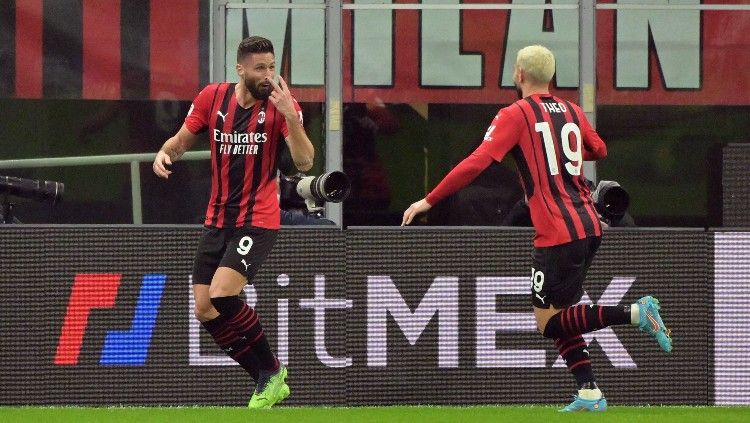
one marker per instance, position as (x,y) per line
(30,188)
(333,186)
(613,201)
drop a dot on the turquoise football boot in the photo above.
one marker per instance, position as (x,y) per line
(651,323)
(580,404)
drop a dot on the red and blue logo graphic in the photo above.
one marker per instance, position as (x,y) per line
(99,291)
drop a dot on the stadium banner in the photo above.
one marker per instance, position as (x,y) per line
(448,319)
(101,315)
(64,49)
(732,317)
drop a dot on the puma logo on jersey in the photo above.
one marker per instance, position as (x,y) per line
(541,298)
(247,265)
(223,117)
(488,134)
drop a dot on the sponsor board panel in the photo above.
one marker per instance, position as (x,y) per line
(732,317)
(102,315)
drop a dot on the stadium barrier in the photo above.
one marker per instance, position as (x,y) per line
(102,315)
(735,172)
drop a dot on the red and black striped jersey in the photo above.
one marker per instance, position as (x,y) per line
(549,139)
(245,149)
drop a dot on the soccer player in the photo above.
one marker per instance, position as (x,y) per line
(245,122)
(550,138)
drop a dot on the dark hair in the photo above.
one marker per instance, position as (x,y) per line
(254,44)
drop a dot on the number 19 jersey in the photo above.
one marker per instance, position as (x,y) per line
(554,137)
(549,138)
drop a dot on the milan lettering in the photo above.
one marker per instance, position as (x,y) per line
(444,64)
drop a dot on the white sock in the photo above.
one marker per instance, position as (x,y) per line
(590,394)
(635,314)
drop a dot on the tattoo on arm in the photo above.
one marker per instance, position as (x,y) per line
(174,151)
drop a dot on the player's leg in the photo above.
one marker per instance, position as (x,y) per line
(222,333)
(570,319)
(557,278)
(574,351)
(224,292)
(245,253)
(210,251)
(564,322)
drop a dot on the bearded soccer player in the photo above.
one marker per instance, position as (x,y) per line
(245,123)
(549,139)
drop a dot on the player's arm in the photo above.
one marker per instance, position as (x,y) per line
(499,139)
(459,177)
(300,147)
(172,150)
(196,122)
(593,146)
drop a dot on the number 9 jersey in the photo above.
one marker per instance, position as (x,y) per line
(549,138)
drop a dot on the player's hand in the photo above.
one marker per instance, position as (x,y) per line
(161,162)
(420,206)
(281,98)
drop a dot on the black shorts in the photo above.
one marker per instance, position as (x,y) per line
(558,272)
(242,249)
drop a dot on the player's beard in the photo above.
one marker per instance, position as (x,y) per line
(518,90)
(258,91)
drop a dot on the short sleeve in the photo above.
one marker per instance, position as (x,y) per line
(502,135)
(197,117)
(593,146)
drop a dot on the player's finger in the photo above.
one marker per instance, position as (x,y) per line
(162,173)
(158,168)
(407,217)
(282,84)
(412,213)
(274,84)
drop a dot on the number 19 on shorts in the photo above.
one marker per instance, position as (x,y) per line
(537,280)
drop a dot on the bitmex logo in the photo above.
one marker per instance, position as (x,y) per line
(121,347)
(384,303)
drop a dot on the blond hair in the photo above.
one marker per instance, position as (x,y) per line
(537,62)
